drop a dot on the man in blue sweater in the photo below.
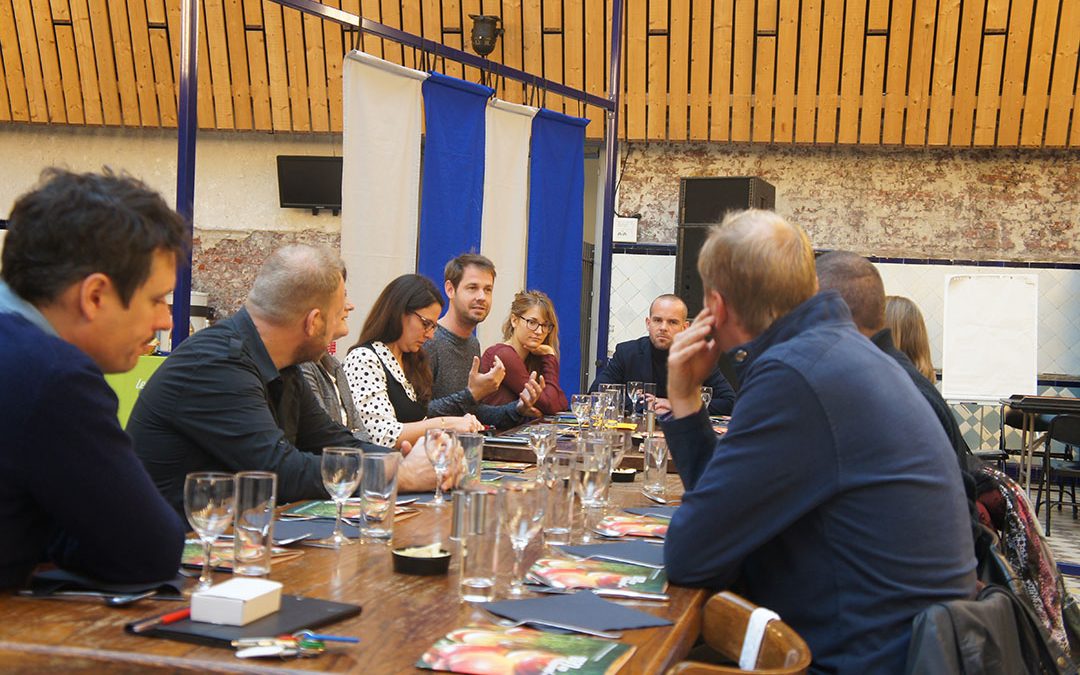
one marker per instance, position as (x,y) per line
(87,264)
(835,498)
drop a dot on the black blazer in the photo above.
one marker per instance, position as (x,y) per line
(632,362)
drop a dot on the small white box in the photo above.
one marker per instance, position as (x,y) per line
(236,602)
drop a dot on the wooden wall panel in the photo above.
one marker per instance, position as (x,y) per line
(894,72)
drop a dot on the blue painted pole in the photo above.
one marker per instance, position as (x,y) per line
(187,127)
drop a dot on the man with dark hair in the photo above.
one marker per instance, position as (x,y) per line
(454,351)
(834,498)
(230,398)
(87,264)
(645,359)
(858,282)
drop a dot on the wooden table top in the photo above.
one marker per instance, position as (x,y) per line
(402,616)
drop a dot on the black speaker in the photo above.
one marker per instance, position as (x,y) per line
(703,202)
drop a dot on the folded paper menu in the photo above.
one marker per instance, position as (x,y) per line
(633,526)
(604,576)
(489,649)
(578,610)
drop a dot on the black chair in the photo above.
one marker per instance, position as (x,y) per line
(1060,468)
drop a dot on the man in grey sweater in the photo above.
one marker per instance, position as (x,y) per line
(454,352)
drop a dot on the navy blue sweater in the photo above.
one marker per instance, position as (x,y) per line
(835,497)
(71,488)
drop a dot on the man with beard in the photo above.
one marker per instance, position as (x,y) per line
(454,352)
(231,399)
(645,359)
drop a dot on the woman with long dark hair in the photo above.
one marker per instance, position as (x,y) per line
(530,344)
(387,369)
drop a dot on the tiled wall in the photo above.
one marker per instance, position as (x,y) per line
(635,280)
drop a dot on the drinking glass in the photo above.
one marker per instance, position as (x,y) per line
(580,405)
(559,513)
(618,392)
(648,395)
(479,544)
(439,445)
(253,532)
(472,447)
(706,397)
(522,516)
(656,458)
(592,470)
(542,440)
(597,406)
(634,393)
(378,495)
(340,476)
(209,504)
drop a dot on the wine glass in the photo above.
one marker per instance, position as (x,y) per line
(634,393)
(598,404)
(209,504)
(439,445)
(340,476)
(522,516)
(542,440)
(579,405)
(706,397)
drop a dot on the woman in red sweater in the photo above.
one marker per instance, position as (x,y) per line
(530,344)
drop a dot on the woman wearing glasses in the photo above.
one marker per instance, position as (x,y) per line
(388,372)
(530,345)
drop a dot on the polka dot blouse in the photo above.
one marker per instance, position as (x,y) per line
(367,381)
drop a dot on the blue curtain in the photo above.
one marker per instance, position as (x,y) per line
(452,182)
(556,215)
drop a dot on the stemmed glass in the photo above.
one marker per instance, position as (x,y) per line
(522,516)
(209,504)
(340,475)
(542,440)
(634,392)
(439,445)
(579,405)
(597,408)
(706,397)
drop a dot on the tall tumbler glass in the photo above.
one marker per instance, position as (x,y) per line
(560,498)
(472,448)
(656,458)
(256,498)
(479,544)
(619,396)
(378,495)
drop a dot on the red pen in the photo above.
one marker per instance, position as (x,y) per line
(161,620)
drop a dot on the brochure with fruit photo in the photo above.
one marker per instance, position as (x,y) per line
(628,525)
(600,575)
(480,650)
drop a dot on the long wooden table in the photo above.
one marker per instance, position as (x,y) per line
(402,616)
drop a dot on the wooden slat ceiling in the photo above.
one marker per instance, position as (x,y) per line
(892,72)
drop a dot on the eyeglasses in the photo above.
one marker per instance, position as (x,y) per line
(428,324)
(535,325)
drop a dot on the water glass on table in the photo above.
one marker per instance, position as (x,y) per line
(581,405)
(648,396)
(592,469)
(439,444)
(378,495)
(706,397)
(209,501)
(522,514)
(253,530)
(635,394)
(340,475)
(618,396)
(479,544)
(542,441)
(472,448)
(656,459)
(559,509)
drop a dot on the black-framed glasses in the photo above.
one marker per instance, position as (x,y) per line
(534,325)
(428,324)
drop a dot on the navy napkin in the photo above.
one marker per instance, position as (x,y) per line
(635,552)
(661,511)
(582,609)
(50,581)
(315,529)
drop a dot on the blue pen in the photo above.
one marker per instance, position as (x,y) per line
(326,638)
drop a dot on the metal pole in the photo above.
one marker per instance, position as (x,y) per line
(187,127)
(610,162)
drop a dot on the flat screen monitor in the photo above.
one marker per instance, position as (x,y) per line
(309,182)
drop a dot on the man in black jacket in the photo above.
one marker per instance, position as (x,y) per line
(645,359)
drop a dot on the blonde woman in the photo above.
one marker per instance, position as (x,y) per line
(530,344)
(909,333)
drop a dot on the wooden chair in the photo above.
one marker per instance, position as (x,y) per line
(727,615)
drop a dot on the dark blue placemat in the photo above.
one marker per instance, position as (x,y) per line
(315,529)
(660,511)
(582,609)
(636,552)
(51,581)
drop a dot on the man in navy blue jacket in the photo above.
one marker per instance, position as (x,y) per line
(87,264)
(835,498)
(645,359)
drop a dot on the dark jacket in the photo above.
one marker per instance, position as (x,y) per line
(218,403)
(834,496)
(633,362)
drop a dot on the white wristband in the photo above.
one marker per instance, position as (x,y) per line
(755,635)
